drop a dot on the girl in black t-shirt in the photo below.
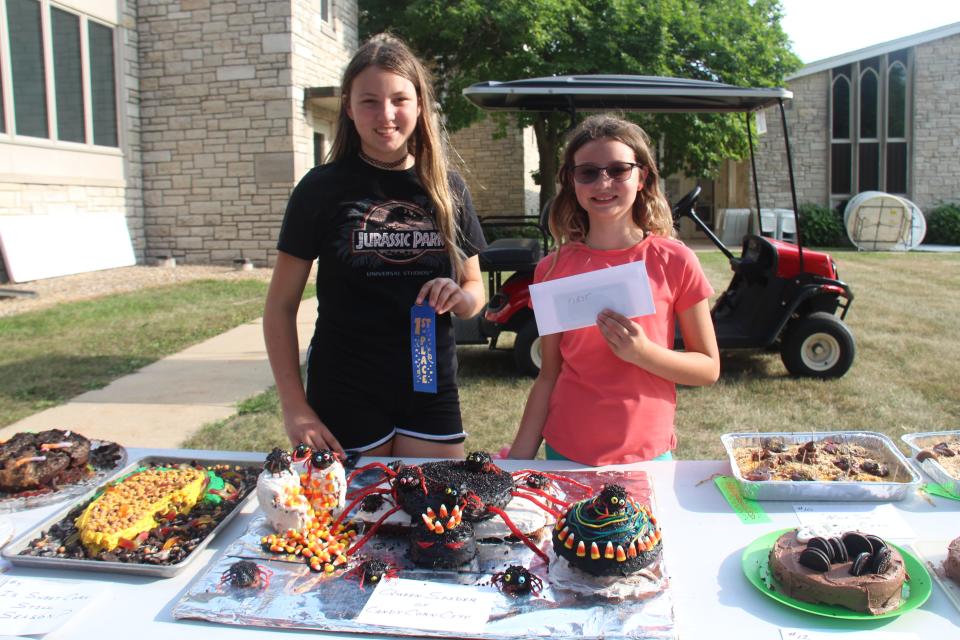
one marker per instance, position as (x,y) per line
(390,227)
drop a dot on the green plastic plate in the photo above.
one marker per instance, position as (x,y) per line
(755,566)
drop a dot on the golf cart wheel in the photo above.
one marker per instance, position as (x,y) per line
(818,346)
(526,349)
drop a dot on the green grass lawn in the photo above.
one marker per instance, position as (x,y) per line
(51,355)
(905,378)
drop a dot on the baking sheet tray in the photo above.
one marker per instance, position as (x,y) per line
(12,551)
(902,481)
(931,466)
(297,598)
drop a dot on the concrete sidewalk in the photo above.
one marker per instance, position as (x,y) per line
(168,401)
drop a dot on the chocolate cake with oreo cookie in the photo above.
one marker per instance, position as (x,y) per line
(857,571)
(610,534)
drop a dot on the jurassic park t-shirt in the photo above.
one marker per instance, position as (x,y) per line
(374,234)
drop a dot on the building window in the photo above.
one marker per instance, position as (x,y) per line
(325,10)
(80,72)
(841,158)
(67,75)
(103,85)
(28,68)
(875,153)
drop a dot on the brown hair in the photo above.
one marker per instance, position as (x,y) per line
(428,142)
(569,222)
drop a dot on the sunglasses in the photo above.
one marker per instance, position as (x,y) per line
(618,171)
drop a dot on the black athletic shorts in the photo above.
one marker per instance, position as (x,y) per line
(365,414)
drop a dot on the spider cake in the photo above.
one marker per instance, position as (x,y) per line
(444,541)
(610,534)
(855,570)
(301,495)
(280,495)
(293,488)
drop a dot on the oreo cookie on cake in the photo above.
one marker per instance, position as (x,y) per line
(610,534)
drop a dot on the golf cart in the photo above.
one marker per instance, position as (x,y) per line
(781,297)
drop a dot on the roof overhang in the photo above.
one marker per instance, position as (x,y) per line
(621,92)
(327,98)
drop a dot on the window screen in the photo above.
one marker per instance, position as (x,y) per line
(103,85)
(27,67)
(67,75)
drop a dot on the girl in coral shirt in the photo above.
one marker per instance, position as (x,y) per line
(606,394)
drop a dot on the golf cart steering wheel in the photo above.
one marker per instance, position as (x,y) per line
(685,205)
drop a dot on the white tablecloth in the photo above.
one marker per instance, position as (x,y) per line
(703,541)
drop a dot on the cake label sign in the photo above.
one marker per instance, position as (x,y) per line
(29,606)
(434,606)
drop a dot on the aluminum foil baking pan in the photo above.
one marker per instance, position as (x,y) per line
(902,481)
(932,466)
(12,551)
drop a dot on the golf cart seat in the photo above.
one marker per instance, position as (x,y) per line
(515,253)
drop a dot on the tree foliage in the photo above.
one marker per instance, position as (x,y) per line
(734,41)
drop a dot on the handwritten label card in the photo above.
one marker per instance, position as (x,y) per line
(836,518)
(418,604)
(574,302)
(29,606)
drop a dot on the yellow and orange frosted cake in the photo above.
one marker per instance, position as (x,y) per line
(127,509)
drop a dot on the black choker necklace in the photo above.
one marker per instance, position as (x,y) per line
(381,164)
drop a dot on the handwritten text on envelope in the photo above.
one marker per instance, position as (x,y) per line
(574,302)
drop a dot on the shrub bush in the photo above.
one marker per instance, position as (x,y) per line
(943,225)
(822,226)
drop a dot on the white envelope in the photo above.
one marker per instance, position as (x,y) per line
(574,302)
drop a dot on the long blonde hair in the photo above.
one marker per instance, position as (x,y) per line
(568,221)
(427,144)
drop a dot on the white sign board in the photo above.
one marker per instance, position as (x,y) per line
(574,302)
(31,606)
(46,246)
(417,604)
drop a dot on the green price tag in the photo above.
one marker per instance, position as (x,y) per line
(935,489)
(749,511)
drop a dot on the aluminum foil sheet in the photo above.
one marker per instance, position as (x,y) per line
(903,479)
(10,503)
(571,604)
(931,466)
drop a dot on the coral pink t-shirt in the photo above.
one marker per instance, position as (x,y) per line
(604,410)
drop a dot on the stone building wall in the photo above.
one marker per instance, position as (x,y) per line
(936,123)
(808,126)
(321,51)
(497,170)
(128,82)
(226,129)
(215,105)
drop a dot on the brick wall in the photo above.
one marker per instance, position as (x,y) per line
(497,170)
(808,126)
(225,130)
(936,123)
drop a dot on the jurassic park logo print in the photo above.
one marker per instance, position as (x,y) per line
(397,232)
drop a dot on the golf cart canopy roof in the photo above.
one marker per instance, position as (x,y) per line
(621,92)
